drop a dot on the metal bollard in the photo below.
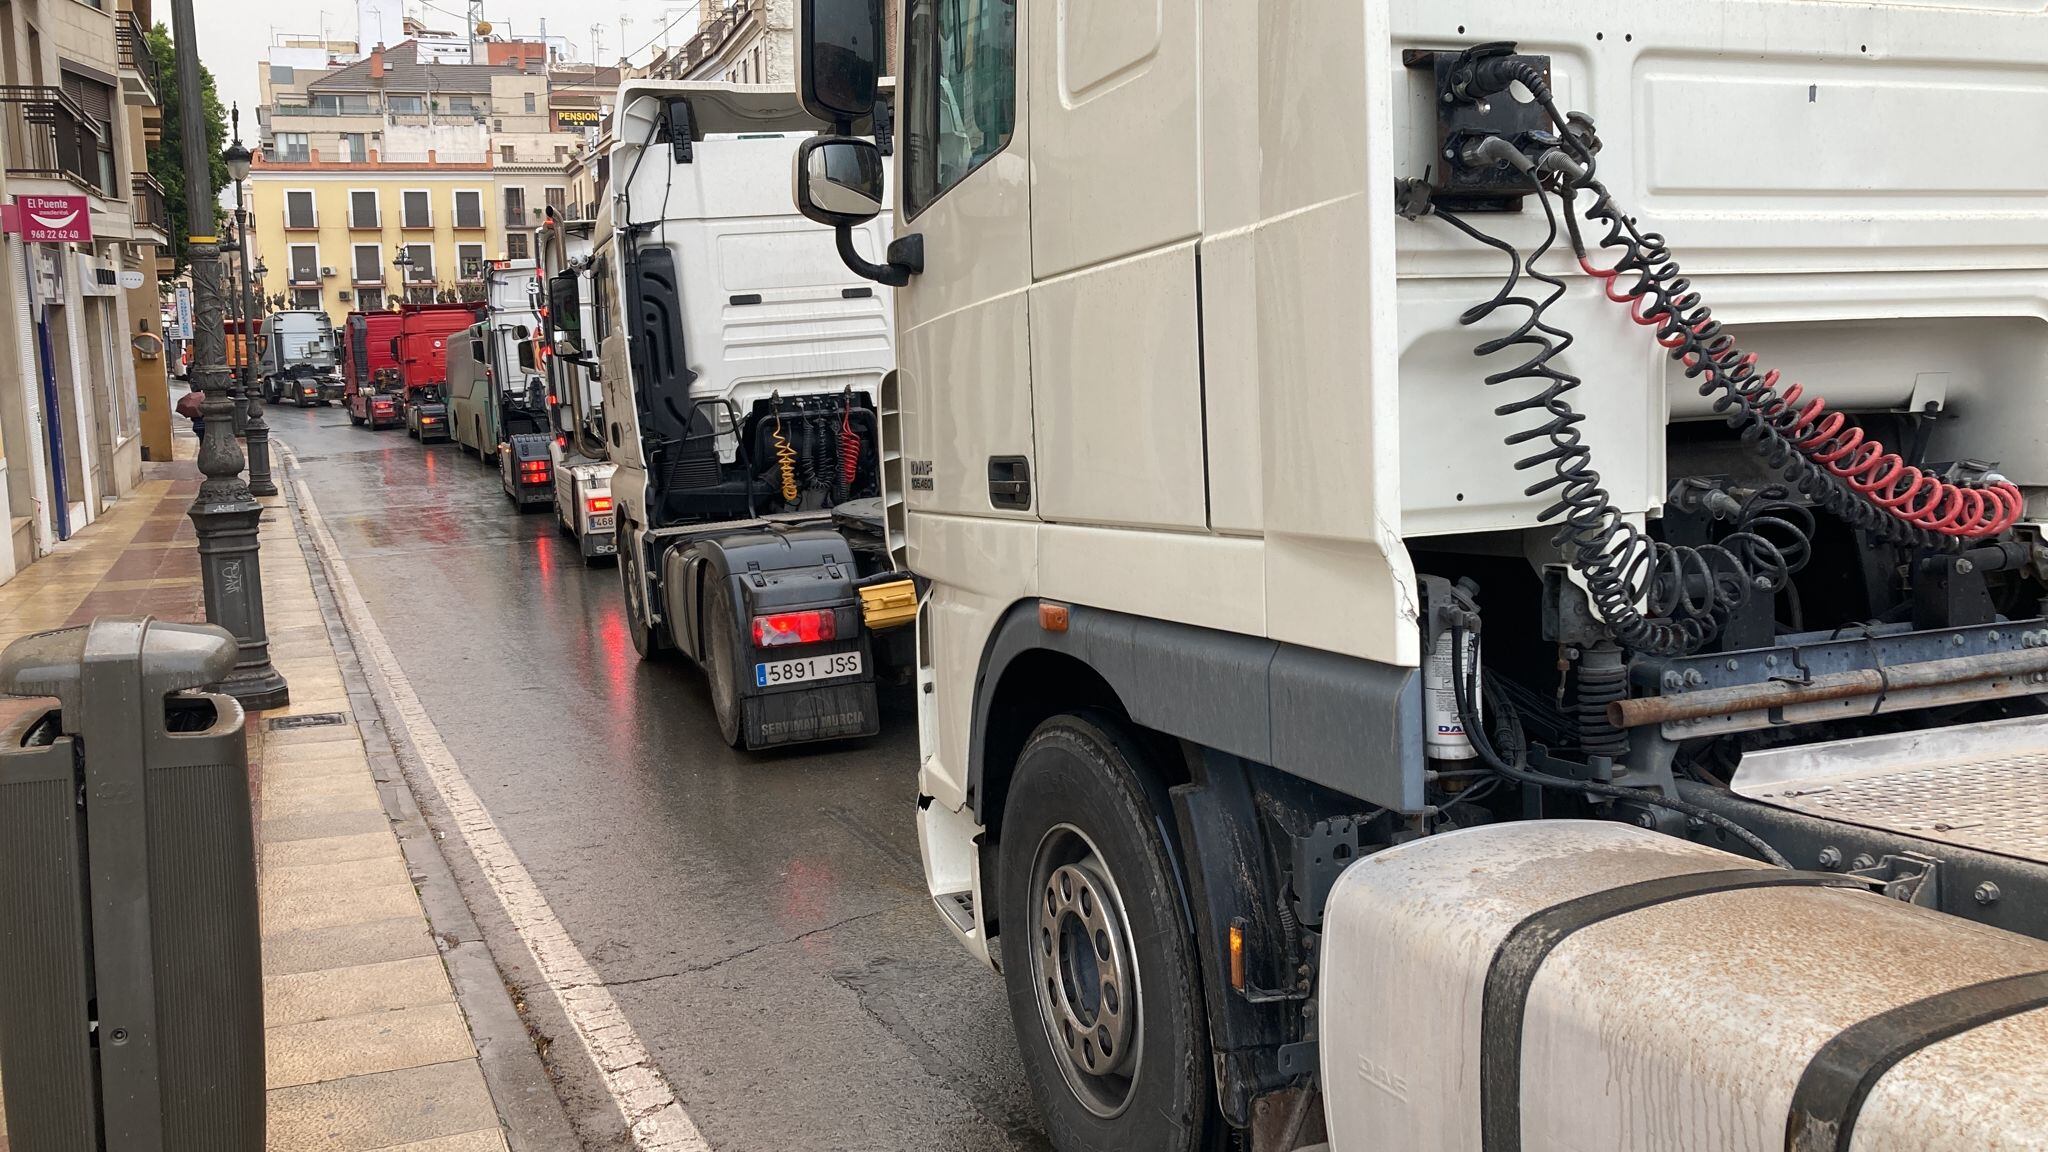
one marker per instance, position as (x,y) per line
(131,983)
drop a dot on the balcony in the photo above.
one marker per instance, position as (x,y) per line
(304,277)
(50,137)
(147,200)
(141,83)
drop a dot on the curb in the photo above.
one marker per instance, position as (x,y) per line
(524,1094)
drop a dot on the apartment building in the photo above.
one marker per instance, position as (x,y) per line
(404,152)
(79,102)
(327,233)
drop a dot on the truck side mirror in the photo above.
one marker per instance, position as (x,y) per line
(526,352)
(565,313)
(839,58)
(839,180)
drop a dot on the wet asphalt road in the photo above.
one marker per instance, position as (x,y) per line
(762,920)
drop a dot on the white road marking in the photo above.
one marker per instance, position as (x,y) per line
(658,1121)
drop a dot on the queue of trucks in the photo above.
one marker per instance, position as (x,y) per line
(1337,728)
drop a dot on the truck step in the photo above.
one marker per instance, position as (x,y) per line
(1981,786)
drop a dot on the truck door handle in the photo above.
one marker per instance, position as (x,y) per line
(1009,482)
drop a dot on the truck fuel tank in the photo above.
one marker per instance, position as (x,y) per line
(1598,987)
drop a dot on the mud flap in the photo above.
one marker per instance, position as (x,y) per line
(823,712)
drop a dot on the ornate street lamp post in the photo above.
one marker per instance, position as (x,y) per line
(255,429)
(403,262)
(223,514)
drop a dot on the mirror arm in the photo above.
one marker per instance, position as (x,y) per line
(906,258)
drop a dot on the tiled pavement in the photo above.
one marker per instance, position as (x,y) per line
(367,1048)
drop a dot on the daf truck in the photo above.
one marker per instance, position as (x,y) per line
(1482,567)
(584,507)
(740,363)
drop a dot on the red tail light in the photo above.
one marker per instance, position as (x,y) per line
(533,471)
(807,627)
(598,504)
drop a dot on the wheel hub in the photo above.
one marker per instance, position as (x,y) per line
(1086,985)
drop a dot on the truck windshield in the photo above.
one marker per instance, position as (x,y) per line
(961,57)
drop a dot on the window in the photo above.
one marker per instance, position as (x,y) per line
(961,60)
(408,105)
(305,264)
(505,153)
(469,208)
(422,269)
(530,109)
(515,207)
(305,298)
(99,102)
(418,208)
(293,147)
(353,149)
(469,261)
(369,267)
(362,208)
(370,299)
(515,245)
(298,209)
(556,198)
(461,104)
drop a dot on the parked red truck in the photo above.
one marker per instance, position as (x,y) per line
(422,347)
(371,387)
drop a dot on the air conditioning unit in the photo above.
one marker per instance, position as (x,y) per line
(326,271)
(345,295)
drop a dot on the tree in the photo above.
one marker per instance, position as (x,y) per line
(167,155)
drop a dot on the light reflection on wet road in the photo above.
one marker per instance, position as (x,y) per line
(761,919)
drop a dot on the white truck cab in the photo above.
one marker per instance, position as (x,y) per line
(584,506)
(1342,443)
(740,362)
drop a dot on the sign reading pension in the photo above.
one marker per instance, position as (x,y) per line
(576,117)
(52,219)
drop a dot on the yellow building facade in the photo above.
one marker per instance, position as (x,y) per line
(326,233)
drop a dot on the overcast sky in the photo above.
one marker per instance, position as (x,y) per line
(234,34)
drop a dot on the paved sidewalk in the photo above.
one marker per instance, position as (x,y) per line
(367,1047)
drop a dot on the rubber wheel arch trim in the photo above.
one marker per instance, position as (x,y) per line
(1841,1075)
(1522,952)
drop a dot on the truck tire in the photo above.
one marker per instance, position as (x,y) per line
(1104,983)
(355,420)
(648,640)
(719,669)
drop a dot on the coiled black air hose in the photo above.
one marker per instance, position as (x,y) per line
(1691,591)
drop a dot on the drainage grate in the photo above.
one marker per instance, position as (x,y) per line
(309,720)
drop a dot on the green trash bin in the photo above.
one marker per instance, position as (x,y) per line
(131,981)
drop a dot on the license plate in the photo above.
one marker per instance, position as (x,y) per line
(602,521)
(831,667)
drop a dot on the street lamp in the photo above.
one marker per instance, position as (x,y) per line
(223,513)
(255,429)
(403,262)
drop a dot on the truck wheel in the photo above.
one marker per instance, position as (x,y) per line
(355,420)
(647,638)
(719,668)
(1104,985)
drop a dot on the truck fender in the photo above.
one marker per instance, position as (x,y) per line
(1351,725)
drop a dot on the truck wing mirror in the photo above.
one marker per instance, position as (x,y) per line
(838,183)
(526,352)
(839,58)
(839,180)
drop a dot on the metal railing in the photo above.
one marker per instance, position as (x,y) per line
(131,40)
(50,135)
(147,202)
